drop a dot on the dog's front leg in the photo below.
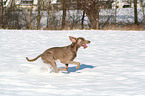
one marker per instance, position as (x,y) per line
(77,63)
(64,69)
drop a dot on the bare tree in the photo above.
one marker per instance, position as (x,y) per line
(83,20)
(38,16)
(64,14)
(1,13)
(31,13)
(48,13)
(143,14)
(91,8)
(115,11)
(135,12)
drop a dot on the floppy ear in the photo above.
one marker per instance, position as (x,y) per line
(73,39)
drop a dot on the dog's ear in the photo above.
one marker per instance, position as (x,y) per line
(73,39)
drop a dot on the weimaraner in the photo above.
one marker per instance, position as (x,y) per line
(64,54)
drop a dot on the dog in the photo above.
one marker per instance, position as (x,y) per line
(65,54)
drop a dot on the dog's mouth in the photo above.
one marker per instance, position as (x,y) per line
(84,45)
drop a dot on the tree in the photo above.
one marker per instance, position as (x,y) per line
(135,12)
(64,14)
(143,14)
(49,7)
(1,13)
(38,16)
(115,11)
(91,8)
(83,20)
(30,18)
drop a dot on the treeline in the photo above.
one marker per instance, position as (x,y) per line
(88,14)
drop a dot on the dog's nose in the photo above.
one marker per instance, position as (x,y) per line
(89,41)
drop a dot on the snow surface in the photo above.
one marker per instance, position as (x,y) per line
(112,65)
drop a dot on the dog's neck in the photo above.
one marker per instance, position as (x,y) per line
(75,47)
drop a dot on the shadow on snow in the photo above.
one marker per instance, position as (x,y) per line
(82,66)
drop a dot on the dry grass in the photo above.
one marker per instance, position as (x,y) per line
(139,27)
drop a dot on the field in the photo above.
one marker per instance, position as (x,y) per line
(112,65)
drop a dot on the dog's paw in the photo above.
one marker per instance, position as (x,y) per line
(63,69)
(78,66)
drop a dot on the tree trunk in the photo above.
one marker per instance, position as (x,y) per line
(92,19)
(135,12)
(143,14)
(30,18)
(49,7)
(93,16)
(92,12)
(64,14)
(83,20)
(1,14)
(115,11)
(38,16)
(47,26)
(13,3)
(97,7)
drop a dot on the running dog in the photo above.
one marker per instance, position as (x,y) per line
(65,54)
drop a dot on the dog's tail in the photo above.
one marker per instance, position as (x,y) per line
(33,59)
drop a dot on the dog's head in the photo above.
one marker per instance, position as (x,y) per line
(80,41)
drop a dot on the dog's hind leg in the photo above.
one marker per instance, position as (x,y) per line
(49,59)
(53,64)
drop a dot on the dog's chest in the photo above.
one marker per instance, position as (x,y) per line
(69,55)
(65,56)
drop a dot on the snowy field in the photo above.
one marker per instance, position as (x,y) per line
(112,65)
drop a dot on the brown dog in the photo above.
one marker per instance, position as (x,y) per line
(65,54)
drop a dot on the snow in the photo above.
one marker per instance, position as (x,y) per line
(112,65)
(35,2)
(53,1)
(7,3)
